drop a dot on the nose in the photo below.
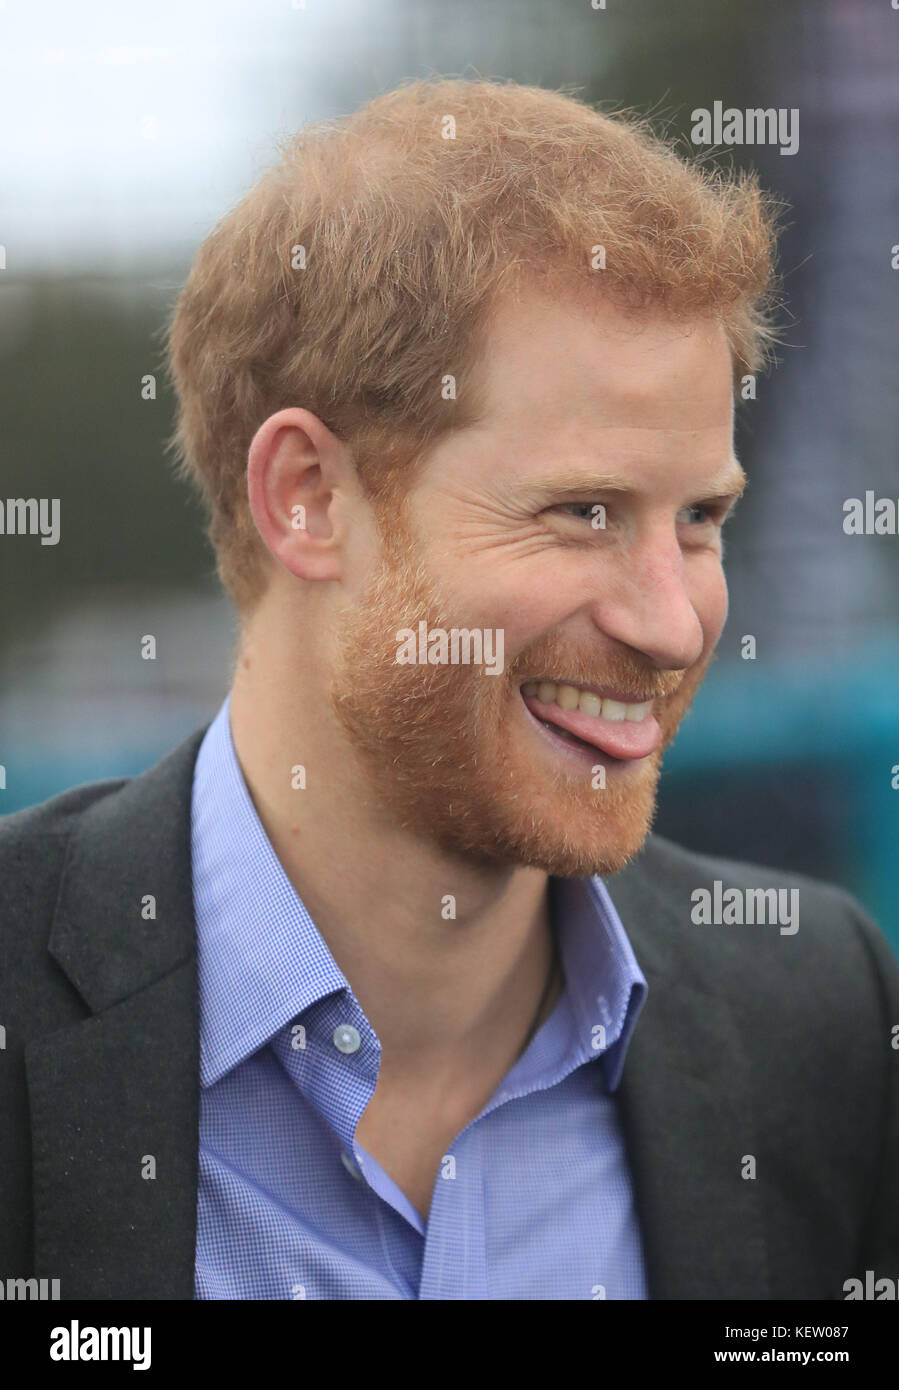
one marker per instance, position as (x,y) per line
(650,605)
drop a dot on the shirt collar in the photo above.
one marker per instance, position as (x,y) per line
(262,961)
(605,985)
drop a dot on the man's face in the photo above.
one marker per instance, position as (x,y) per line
(588,409)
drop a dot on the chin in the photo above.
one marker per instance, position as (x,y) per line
(567,835)
(573,860)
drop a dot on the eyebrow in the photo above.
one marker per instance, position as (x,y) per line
(576,486)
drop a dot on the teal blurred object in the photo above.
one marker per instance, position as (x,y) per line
(843,717)
(33,776)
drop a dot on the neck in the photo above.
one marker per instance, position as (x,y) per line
(449,959)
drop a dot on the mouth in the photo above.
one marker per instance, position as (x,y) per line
(585,720)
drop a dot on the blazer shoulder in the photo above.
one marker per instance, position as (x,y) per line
(33,839)
(667,857)
(54,816)
(834,933)
(33,847)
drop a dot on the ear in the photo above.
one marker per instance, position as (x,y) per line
(298,477)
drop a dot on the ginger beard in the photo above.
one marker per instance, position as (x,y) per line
(450,752)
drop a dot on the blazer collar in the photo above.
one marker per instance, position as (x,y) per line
(686,1103)
(114,1098)
(124,916)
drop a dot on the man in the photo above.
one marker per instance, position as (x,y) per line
(336,1001)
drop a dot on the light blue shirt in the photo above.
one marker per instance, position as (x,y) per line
(533,1198)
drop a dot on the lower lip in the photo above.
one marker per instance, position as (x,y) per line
(625,742)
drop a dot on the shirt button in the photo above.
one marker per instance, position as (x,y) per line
(350,1164)
(346,1038)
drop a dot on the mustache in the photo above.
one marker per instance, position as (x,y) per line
(617,674)
(636,688)
(605,666)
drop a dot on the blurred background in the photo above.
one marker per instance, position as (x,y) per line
(125,133)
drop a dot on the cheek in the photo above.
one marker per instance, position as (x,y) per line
(527,613)
(524,600)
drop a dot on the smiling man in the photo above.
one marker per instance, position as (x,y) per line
(420,1009)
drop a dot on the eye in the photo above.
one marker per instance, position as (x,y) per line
(703,513)
(589,511)
(699,513)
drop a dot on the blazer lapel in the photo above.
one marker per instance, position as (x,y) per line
(685,1103)
(114,1098)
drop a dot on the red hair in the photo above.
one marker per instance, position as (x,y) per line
(408,238)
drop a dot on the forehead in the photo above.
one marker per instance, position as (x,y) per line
(570,353)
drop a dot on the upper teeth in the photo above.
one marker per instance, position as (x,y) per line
(569,697)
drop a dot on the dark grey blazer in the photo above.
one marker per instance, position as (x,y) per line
(751,1043)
